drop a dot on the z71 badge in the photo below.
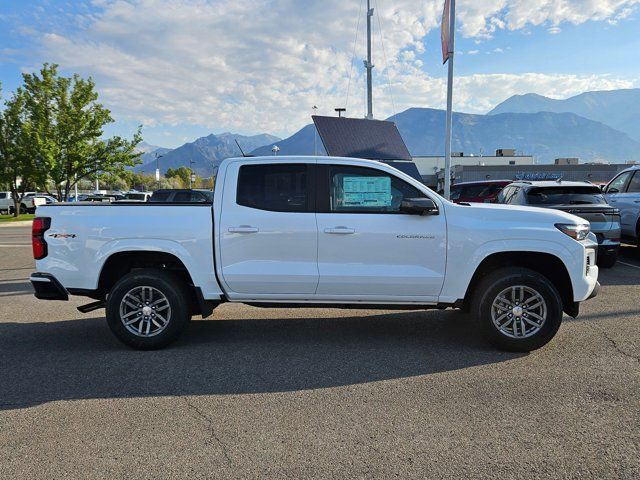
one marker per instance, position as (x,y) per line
(62,235)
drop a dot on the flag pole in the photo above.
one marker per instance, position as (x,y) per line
(447,143)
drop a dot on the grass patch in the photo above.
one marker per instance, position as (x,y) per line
(11,218)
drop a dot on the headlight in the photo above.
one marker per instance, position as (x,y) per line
(577,232)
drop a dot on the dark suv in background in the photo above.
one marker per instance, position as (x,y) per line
(578,198)
(478,192)
(182,195)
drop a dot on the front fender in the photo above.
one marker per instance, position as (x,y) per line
(461,266)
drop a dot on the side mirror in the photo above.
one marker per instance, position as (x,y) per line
(419,206)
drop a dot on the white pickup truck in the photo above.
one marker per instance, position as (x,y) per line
(316,231)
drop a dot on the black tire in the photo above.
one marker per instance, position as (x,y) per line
(177,314)
(23,209)
(608,261)
(488,290)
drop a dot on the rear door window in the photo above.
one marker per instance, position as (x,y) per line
(273,187)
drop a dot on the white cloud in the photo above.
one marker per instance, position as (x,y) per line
(260,65)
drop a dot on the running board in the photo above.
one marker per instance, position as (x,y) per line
(90,307)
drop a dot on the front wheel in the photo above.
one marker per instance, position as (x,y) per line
(518,309)
(148,309)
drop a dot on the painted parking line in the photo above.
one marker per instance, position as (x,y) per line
(629,264)
(15,245)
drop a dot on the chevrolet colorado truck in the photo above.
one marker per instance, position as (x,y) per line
(316,231)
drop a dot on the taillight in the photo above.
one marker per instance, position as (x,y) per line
(39,226)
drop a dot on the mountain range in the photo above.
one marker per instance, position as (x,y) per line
(594,126)
(619,109)
(205,152)
(545,135)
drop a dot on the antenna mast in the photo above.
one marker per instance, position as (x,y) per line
(367,63)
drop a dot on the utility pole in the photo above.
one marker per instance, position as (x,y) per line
(450,50)
(368,65)
(315,133)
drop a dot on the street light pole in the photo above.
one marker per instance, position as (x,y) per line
(191,162)
(158,157)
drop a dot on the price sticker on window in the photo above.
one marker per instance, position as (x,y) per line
(366,191)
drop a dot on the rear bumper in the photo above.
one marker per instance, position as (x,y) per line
(47,287)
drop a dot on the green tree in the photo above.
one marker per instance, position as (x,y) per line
(19,169)
(65,130)
(182,173)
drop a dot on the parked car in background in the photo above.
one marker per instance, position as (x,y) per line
(478,192)
(103,198)
(49,199)
(182,195)
(583,199)
(137,196)
(623,192)
(29,202)
(81,198)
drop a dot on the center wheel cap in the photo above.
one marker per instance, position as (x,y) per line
(146,311)
(517,311)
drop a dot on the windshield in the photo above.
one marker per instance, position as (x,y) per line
(568,195)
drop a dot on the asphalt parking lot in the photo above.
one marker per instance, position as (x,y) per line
(316,393)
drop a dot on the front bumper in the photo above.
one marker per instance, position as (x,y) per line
(47,287)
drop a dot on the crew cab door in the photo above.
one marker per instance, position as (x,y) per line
(267,229)
(366,246)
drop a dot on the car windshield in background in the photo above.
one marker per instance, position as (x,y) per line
(568,195)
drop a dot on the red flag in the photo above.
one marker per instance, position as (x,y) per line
(444,31)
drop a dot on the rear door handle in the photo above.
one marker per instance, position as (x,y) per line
(340,230)
(636,201)
(243,229)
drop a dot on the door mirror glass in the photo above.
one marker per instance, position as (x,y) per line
(419,206)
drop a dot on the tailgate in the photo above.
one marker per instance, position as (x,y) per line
(601,217)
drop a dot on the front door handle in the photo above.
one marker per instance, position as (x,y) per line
(340,230)
(243,229)
(636,201)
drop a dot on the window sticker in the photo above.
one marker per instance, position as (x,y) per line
(366,191)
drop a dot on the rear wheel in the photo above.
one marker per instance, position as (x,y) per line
(518,309)
(148,309)
(23,209)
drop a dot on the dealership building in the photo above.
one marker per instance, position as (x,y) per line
(506,165)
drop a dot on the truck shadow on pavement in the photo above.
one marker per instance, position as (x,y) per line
(80,359)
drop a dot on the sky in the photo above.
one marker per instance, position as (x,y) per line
(187,68)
